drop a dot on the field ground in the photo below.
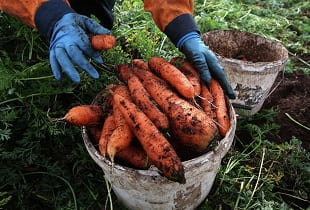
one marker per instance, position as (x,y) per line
(291,97)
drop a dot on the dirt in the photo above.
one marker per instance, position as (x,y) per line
(292,96)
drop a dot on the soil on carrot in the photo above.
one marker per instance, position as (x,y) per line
(292,97)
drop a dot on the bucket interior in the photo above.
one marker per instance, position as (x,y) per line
(244,46)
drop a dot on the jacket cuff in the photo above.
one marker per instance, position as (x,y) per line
(180,26)
(48,14)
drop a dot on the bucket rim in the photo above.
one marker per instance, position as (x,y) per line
(249,63)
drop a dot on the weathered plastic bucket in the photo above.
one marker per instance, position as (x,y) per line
(253,77)
(147,189)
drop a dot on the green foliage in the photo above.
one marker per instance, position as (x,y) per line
(4,199)
(36,155)
(284,21)
(259,174)
(137,33)
(45,164)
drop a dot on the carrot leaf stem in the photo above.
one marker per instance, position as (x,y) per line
(295,121)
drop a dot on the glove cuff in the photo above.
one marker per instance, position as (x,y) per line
(180,26)
(48,14)
(190,35)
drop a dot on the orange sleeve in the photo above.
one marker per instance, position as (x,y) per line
(24,10)
(164,11)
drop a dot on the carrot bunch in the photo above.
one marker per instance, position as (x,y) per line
(152,119)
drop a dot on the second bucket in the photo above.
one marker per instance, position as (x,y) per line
(251,63)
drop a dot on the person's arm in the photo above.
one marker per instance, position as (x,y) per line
(23,10)
(175,19)
(66,30)
(26,11)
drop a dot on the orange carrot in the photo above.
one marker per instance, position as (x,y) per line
(106,132)
(189,71)
(134,156)
(141,96)
(156,146)
(123,72)
(146,103)
(84,115)
(122,135)
(220,107)
(206,101)
(190,124)
(140,64)
(172,75)
(103,41)
(120,139)
(123,91)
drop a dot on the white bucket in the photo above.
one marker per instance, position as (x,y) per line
(251,79)
(147,189)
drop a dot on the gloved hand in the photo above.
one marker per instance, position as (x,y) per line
(205,61)
(70,42)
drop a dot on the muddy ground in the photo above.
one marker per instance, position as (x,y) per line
(292,96)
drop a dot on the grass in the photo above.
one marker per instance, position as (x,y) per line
(257,173)
(45,165)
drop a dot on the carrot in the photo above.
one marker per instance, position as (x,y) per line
(140,64)
(146,103)
(106,132)
(172,75)
(134,156)
(123,72)
(206,101)
(120,139)
(156,146)
(84,115)
(141,96)
(220,107)
(190,124)
(103,41)
(122,135)
(123,91)
(189,71)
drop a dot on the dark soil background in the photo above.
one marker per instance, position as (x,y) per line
(292,96)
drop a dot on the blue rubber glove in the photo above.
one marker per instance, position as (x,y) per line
(69,43)
(205,61)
